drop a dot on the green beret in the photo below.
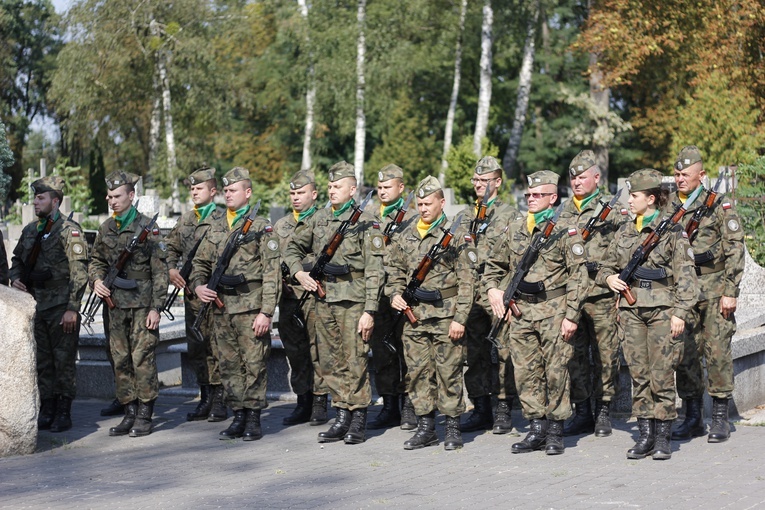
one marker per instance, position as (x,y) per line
(50,183)
(341,170)
(688,155)
(428,186)
(542,177)
(235,175)
(643,180)
(119,178)
(201,175)
(389,172)
(487,165)
(581,163)
(300,179)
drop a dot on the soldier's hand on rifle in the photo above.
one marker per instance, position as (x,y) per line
(676,326)
(615,284)
(152,319)
(567,329)
(16,284)
(261,325)
(306,281)
(456,331)
(176,279)
(101,290)
(496,300)
(69,321)
(727,306)
(204,294)
(366,325)
(398,303)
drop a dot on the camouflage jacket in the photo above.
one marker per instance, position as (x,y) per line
(147,265)
(252,280)
(62,264)
(718,245)
(451,272)
(383,222)
(3,263)
(498,216)
(284,228)
(673,253)
(559,265)
(600,237)
(360,253)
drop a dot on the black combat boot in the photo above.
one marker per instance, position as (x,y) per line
(252,430)
(453,436)
(554,440)
(339,429)
(502,419)
(357,431)
(236,429)
(47,413)
(481,417)
(408,416)
(302,411)
(131,408)
(218,409)
(693,424)
(203,408)
(63,419)
(582,423)
(142,426)
(602,419)
(662,448)
(319,410)
(426,433)
(389,415)
(535,439)
(645,443)
(114,409)
(719,431)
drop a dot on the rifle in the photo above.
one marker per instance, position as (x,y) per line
(34,253)
(185,272)
(478,224)
(521,270)
(233,244)
(317,271)
(646,247)
(601,215)
(94,302)
(418,277)
(709,203)
(391,228)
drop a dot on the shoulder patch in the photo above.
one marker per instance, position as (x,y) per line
(269,229)
(377,242)
(272,245)
(472,256)
(577,249)
(375,225)
(77,248)
(733,225)
(155,231)
(690,253)
(75,233)
(624,212)
(685,234)
(726,206)
(572,231)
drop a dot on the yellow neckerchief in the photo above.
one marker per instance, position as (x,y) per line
(385,210)
(683,197)
(488,204)
(204,211)
(42,221)
(641,220)
(535,219)
(126,219)
(423,228)
(233,216)
(345,207)
(300,216)
(580,204)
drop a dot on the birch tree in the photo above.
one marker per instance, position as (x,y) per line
(358,159)
(448,131)
(310,95)
(484,91)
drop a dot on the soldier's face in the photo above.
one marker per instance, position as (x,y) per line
(541,197)
(430,207)
(689,179)
(120,200)
(44,204)
(389,191)
(640,202)
(237,195)
(341,190)
(480,182)
(585,183)
(202,193)
(303,198)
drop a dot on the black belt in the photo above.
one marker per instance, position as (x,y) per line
(244,288)
(431,296)
(347,277)
(540,297)
(653,284)
(50,284)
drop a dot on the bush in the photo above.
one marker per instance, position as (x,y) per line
(751,207)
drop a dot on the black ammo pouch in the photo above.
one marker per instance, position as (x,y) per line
(431,296)
(228,284)
(592,267)
(530,288)
(336,269)
(125,283)
(341,273)
(703,258)
(705,263)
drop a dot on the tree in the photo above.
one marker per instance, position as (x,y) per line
(359,147)
(6,161)
(310,95)
(455,94)
(484,92)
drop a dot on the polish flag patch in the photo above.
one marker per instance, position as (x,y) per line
(685,234)
(726,206)
(155,231)
(624,212)
(269,228)
(75,233)
(572,231)
(376,225)
(468,238)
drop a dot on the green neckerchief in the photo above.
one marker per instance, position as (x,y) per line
(491,202)
(306,214)
(543,215)
(204,211)
(41,222)
(683,197)
(240,213)
(646,220)
(586,200)
(395,205)
(126,219)
(436,223)
(344,208)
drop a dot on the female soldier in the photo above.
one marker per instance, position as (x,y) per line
(665,289)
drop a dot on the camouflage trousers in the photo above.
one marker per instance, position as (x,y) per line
(56,354)
(390,367)
(132,347)
(481,373)
(201,355)
(594,369)
(343,355)
(434,364)
(709,341)
(541,358)
(242,357)
(300,346)
(652,355)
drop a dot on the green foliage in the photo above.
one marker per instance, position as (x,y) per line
(751,207)
(461,161)
(77,187)
(6,160)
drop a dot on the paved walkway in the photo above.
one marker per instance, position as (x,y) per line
(185,465)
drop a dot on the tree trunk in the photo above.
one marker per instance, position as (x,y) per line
(601,97)
(484,91)
(358,160)
(310,95)
(524,89)
(455,93)
(156,121)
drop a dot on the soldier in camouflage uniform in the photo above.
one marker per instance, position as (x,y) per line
(300,342)
(57,281)
(191,227)
(481,372)
(138,297)
(249,290)
(665,290)
(718,245)
(390,367)
(597,335)
(433,345)
(345,316)
(550,300)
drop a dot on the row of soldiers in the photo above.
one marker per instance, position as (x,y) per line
(422,328)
